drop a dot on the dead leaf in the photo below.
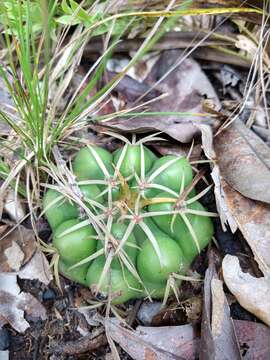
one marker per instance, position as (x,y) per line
(19,254)
(13,206)
(253,220)
(16,248)
(8,283)
(218,340)
(263,133)
(222,206)
(131,88)
(246,45)
(251,293)
(179,150)
(207,140)
(186,86)
(171,41)
(13,304)
(37,268)
(155,343)
(254,339)
(244,161)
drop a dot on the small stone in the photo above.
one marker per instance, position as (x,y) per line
(4,339)
(4,355)
(48,295)
(147,311)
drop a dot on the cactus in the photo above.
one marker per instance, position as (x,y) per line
(139,231)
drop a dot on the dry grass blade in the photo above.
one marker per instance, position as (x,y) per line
(55,264)
(166,293)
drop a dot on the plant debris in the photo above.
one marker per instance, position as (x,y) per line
(252,293)
(14,303)
(218,339)
(253,219)
(16,247)
(164,343)
(188,81)
(244,161)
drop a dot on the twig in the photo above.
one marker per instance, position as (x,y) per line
(173,40)
(87,343)
(133,314)
(178,40)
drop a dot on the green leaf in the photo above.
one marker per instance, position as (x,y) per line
(68,20)
(79,11)
(66,8)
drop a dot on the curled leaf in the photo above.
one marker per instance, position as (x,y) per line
(244,161)
(252,293)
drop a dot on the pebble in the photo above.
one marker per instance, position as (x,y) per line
(4,339)
(147,311)
(48,295)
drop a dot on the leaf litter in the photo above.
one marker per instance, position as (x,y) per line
(218,339)
(251,292)
(192,86)
(20,257)
(164,343)
(244,161)
(221,336)
(14,304)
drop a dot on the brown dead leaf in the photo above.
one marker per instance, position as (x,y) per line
(13,304)
(37,268)
(244,161)
(186,87)
(19,254)
(131,88)
(180,150)
(221,203)
(251,293)
(218,340)
(253,220)
(155,343)
(254,339)
(16,248)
